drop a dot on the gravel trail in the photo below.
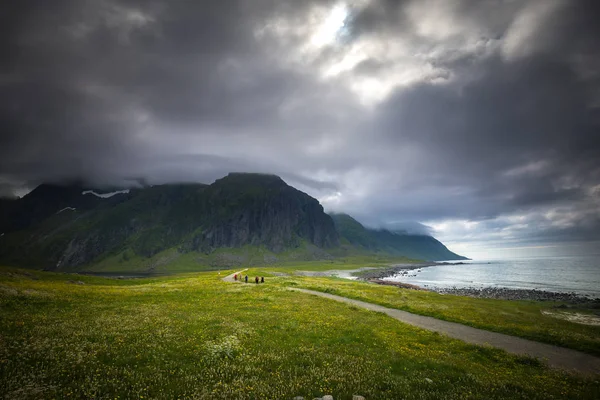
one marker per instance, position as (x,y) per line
(554,356)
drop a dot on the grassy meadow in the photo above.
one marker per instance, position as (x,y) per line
(518,318)
(195,336)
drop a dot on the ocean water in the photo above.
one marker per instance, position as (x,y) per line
(579,274)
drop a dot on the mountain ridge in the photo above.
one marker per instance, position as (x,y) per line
(61,228)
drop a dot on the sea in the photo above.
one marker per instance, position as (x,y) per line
(575,274)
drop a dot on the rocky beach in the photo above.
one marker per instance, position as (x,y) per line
(376,276)
(518,294)
(397,269)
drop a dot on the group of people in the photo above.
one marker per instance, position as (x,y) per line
(256,280)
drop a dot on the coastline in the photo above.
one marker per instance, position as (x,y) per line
(380,273)
(378,276)
(366,272)
(384,272)
(500,293)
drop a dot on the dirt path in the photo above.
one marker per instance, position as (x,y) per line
(229,278)
(555,356)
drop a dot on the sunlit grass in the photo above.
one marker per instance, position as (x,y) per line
(195,336)
(520,318)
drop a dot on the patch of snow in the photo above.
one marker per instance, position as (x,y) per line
(105,195)
(66,208)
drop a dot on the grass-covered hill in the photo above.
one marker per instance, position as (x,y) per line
(394,243)
(239,219)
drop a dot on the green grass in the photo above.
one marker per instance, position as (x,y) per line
(171,261)
(519,318)
(194,336)
(346,263)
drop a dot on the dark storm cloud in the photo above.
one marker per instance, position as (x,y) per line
(521,113)
(84,81)
(405,110)
(520,137)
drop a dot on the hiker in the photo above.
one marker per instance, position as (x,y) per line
(256,280)
(235,277)
(262,279)
(246,278)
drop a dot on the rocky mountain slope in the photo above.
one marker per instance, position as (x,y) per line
(56,227)
(71,227)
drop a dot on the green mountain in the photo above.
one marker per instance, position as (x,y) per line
(383,241)
(241,218)
(236,211)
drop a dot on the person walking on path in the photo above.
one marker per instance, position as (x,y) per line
(246,278)
(256,280)
(262,279)
(235,277)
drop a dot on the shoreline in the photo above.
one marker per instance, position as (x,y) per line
(487,292)
(384,272)
(499,293)
(404,269)
(365,272)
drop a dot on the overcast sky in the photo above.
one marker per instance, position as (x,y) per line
(477,118)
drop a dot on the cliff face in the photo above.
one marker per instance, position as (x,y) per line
(238,210)
(249,209)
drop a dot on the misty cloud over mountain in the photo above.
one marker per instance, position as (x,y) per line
(478,119)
